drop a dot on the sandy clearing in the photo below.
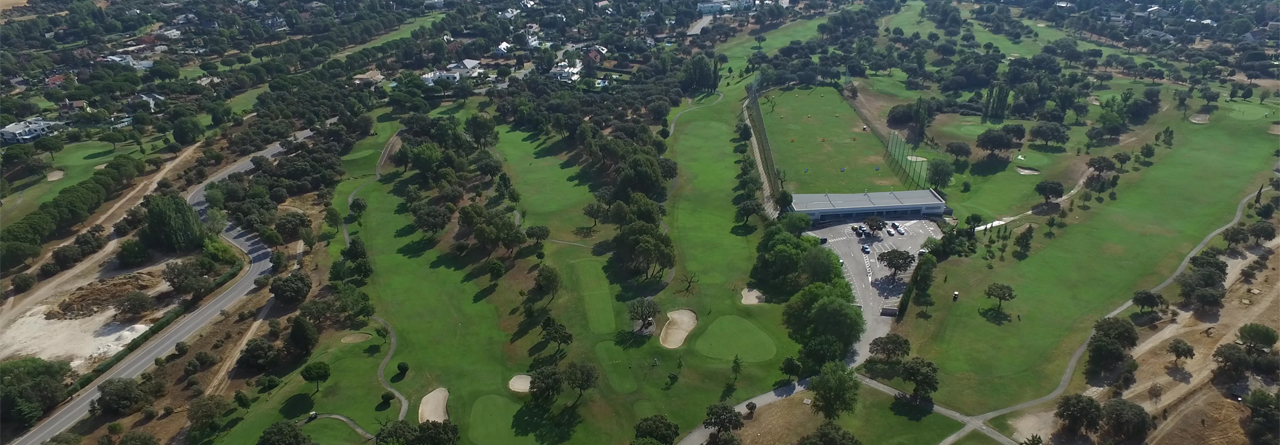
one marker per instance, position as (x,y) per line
(751,296)
(1275,129)
(519,383)
(679,323)
(80,341)
(54,175)
(1199,118)
(1027,171)
(356,337)
(916,159)
(433,406)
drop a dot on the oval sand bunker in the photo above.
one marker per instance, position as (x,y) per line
(519,383)
(916,159)
(679,324)
(1200,118)
(1027,171)
(751,296)
(433,406)
(356,337)
(54,175)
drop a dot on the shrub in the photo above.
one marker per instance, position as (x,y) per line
(23,282)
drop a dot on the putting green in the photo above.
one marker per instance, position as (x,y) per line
(1248,111)
(973,130)
(594,287)
(616,366)
(644,408)
(358,154)
(731,335)
(491,419)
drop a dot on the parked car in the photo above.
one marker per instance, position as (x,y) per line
(900,231)
(866,249)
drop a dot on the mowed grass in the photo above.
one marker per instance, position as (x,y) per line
(403,31)
(352,390)
(244,101)
(976,438)
(331,432)
(76,161)
(1090,267)
(732,336)
(495,412)
(597,300)
(819,143)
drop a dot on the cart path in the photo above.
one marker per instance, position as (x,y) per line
(382,377)
(349,422)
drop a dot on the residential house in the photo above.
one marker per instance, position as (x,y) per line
(565,72)
(70,107)
(169,33)
(432,77)
(128,60)
(54,81)
(185,19)
(433,4)
(509,14)
(711,8)
(528,4)
(1257,35)
(372,76)
(1158,12)
(313,6)
(1208,22)
(646,14)
(275,24)
(1156,35)
(466,68)
(532,42)
(1063,4)
(503,49)
(595,54)
(27,131)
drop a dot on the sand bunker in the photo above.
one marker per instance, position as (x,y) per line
(1027,171)
(916,159)
(1040,25)
(752,296)
(54,175)
(1093,100)
(1200,118)
(519,383)
(433,406)
(679,324)
(356,337)
(1275,129)
(100,166)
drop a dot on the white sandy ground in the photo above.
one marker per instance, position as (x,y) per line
(80,341)
(54,175)
(433,406)
(1027,171)
(679,323)
(916,159)
(519,383)
(1199,118)
(752,296)
(356,337)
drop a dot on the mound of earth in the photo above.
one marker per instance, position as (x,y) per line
(519,383)
(54,175)
(433,406)
(1199,118)
(99,295)
(679,324)
(752,296)
(356,337)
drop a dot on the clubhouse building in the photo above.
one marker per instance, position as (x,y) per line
(835,207)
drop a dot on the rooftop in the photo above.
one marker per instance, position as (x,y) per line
(828,201)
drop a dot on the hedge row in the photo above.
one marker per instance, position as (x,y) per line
(164,322)
(921,280)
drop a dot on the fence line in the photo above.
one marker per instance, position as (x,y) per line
(756,120)
(896,152)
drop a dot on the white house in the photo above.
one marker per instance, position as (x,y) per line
(466,68)
(128,60)
(509,14)
(565,72)
(27,131)
(503,49)
(533,42)
(528,4)
(432,77)
(433,4)
(170,33)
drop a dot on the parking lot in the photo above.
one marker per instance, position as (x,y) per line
(876,290)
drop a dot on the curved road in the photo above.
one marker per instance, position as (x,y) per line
(140,360)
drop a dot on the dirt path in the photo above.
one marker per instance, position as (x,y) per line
(1008,219)
(47,288)
(223,375)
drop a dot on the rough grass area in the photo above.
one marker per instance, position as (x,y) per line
(401,32)
(819,143)
(877,419)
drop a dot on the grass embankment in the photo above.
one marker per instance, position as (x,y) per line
(1092,266)
(819,143)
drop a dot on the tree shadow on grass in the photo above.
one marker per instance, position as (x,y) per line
(744,229)
(995,316)
(484,293)
(372,350)
(398,377)
(297,405)
(538,419)
(382,406)
(989,165)
(628,339)
(533,316)
(910,407)
(419,247)
(406,230)
(726,393)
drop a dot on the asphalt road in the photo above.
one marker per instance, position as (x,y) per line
(77,408)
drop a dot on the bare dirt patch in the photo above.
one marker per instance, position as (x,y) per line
(751,296)
(520,383)
(783,421)
(356,337)
(679,323)
(1027,171)
(54,175)
(433,406)
(99,295)
(1199,118)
